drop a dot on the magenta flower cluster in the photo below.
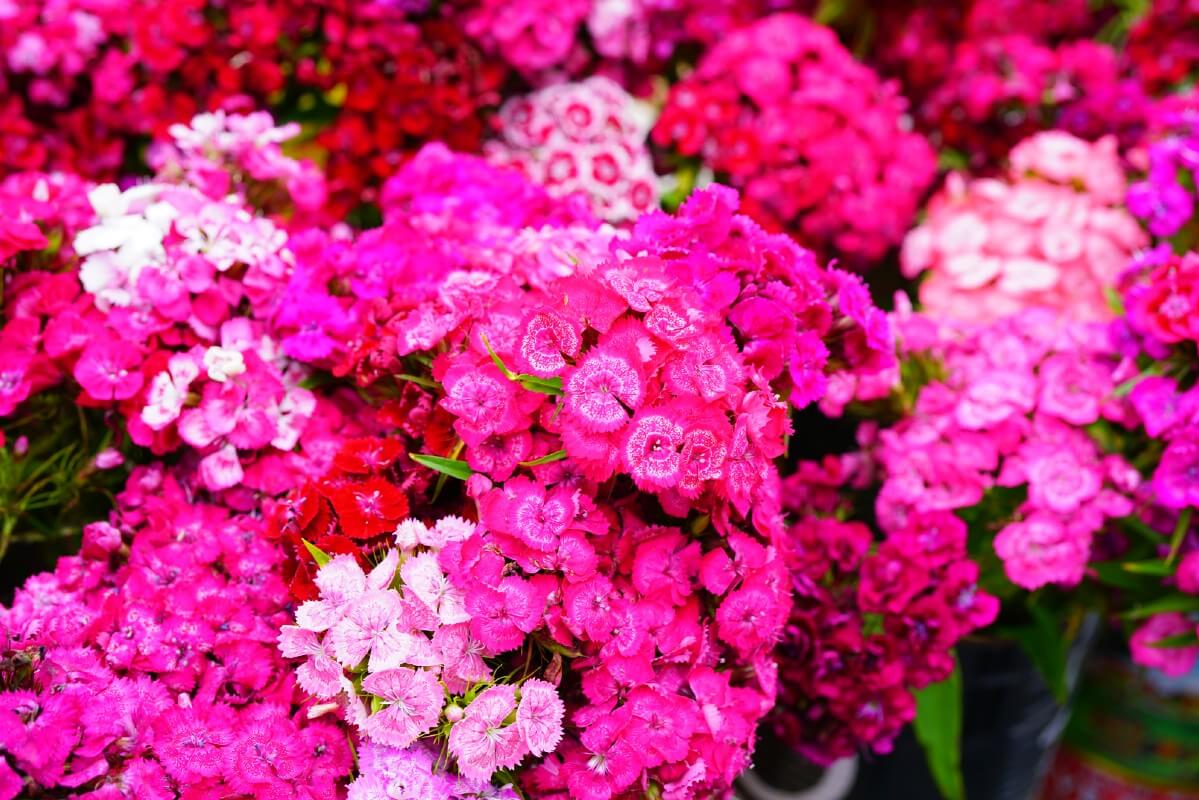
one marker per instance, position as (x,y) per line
(664,359)
(437,391)
(145,666)
(814,140)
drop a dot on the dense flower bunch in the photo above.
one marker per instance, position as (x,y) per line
(165,310)
(814,140)
(655,383)
(145,666)
(394,84)
(402,636)
(657,369)
(927,36)
(81,78)
(584,137)
(634,40)
(870,625)
(455,468)
(999,436)
(454,226)
(1050,234)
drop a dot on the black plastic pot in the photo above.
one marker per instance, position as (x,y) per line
(1010,730)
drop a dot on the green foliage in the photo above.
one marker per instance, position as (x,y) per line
(49,484)
(938,728)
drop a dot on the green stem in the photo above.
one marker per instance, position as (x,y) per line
(6,531)
(1180,531)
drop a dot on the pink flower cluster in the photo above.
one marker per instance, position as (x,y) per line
(412,773)
(145,667)
(870,625)
(596,391)
(1165,199)
(1161,297)
(1004,424)
(220,153)
(587,137)
(1051,233)
(814,140)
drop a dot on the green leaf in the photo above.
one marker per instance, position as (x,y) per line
(531,382)
(447,466)
(938,728)
(1139,527)
(1045,644)
(428,383)
(1180,531)
(1124,388)
(1114,301)
(1187,639)
(509,374)
(1165,605)
(542,385)
(318,555)
(557,455)
(1153,566)
(1113,574)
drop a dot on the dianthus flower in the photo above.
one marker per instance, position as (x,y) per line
(1147,650)
(1162,44)
(663,356)
(85,82)
(768,109)
(534,36)
(1050,234)
(587,137)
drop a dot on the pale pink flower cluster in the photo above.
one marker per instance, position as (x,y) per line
(1051,233)
(221,153)
(395,645)
(587,137)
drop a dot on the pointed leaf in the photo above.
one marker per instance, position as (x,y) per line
(1188,639)
(1166,605)
(447,466)
(938,728)
(543,385)
(557,455)
(318,555)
